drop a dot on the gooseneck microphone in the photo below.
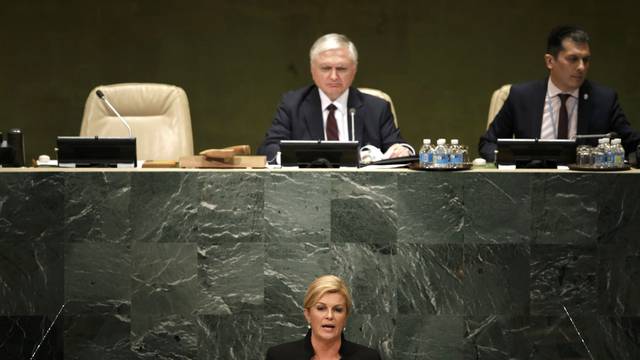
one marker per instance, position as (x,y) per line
(352,113)
(103,97)
(612,134)
(47,333)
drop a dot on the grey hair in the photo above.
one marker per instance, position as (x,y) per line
(332,42)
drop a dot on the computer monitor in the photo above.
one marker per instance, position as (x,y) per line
(540,153)
(319,153)
(86,151)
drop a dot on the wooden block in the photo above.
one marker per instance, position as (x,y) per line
(242,162)
(250,161)
(160,164)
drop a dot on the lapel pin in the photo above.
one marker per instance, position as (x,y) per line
(585,96)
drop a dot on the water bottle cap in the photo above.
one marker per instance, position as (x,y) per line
(426,141)
(454,141)
(441,141)
(603,140)
(616,141)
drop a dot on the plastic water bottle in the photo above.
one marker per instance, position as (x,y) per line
(455,153)
(618,152)
(600,154)
(426,153)
(441,154)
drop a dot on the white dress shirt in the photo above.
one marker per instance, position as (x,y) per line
(341,114)
(551,113)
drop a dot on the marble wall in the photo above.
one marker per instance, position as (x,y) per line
(214,265)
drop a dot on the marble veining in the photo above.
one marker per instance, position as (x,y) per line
(215,264)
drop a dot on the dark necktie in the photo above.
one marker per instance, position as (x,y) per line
(332,125)
(563,118)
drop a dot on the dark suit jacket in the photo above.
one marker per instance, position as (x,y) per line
(302,350)
(598,113)
(299,117)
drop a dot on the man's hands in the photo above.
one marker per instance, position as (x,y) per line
(398,150)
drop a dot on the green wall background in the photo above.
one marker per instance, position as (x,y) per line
(440,60)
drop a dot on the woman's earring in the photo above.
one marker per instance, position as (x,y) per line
(308,326)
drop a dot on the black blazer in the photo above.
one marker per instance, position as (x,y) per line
(299,117)
(302,350)
(598,113)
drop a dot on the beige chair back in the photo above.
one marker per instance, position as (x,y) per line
(384,96)
(157,113)
(497,100)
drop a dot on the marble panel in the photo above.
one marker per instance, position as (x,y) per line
(231,207)
(363,208)
(96,207)
(618,280)
(430,279)
(563,275)
(376,332)
(496,279)
(297,207)
(164,337)
(565,208)
(231,278)
(551,337)
(31,207)
(612,338)
(619,215)
(164,206)
(289,269)
(31,277)
(279,328)
(97,337)
(230,337)
(97,278)
(498,208)
(21,335)
(164,279)
(497,337)
(367,270)
(428,337)
(430,207)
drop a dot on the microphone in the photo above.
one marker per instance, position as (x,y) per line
(103,97)
(611,134)
(352,113)
(577,331)
(47,333)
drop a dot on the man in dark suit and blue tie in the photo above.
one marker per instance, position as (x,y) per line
(563,105)
(322,111)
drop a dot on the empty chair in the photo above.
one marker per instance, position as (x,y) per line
(158,115)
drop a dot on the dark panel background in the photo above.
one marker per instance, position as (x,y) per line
(439,60)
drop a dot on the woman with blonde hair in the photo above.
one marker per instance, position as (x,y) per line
(327,304)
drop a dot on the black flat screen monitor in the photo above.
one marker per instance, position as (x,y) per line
(318,153)
(541,153)
(81,151)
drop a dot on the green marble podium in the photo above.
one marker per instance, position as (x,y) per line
(182,264)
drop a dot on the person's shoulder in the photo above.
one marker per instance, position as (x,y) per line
(299,94)
(597,89)
(528,87)
(286,350)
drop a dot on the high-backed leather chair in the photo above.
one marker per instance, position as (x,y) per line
(384,96)
(497,100)
(157,113)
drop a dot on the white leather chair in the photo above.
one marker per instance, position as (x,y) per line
(157,113)
(384,96)
(497,100)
